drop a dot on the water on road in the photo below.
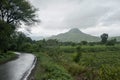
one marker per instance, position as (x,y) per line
(18,68)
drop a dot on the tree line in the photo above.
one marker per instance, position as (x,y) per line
(13,13)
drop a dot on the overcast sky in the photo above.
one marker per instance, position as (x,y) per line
(90,16)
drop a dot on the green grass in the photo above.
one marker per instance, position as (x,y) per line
(87,48)
(106,63)
(97,62)
(4,57)
(47,69)
(97,59)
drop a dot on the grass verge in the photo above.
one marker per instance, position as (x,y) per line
(4,57)
(47,69)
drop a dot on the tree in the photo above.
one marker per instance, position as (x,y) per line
(16,12)
(12,14)
(5,31)
(104,38)
(84,42)
(18,39)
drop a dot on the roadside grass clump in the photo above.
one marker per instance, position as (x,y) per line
(4,57)
(47,69)
(75,69)
(80,72)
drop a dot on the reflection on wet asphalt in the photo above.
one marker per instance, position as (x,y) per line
(15,69)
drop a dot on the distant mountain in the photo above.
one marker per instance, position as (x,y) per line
(117,38)
(75,35)
(37,37)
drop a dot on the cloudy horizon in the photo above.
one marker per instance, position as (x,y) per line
(90,16)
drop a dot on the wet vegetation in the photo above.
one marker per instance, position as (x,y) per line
(81,62)
(4,57)
(12,14)
(56,60)
(73,61)
(70,61)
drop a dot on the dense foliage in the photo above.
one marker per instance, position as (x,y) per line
(58,60)
(104,37)
(5,32)
(70,61)
(47,69)
(7,56)
(78,62)
(14,12)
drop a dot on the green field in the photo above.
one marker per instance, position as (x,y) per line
(97,62)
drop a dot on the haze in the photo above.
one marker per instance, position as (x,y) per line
(90,16)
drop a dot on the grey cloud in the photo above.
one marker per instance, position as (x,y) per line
(86,17)
(114,18)
(92,14)
(66,14)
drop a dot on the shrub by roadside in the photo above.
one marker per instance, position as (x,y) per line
(4,57)
(48,70)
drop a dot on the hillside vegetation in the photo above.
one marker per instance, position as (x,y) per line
(97,62)
(75,35)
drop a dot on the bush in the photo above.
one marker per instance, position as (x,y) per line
(84,42)
(111,42)
(56,72)
(75,69)
(4,57)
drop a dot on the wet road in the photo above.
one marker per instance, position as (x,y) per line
(18,69)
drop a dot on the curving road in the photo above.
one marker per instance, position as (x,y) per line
(18,69)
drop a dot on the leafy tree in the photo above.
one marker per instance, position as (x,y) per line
(18,39)
(17,12)
(84,42)
(27,47)
(12,14)
(5,31)
(52,42)
(104,38)
(91,43)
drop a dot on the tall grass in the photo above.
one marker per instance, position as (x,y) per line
(49,70)
(97,62)
(96,48)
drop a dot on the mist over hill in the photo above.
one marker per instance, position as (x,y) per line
(37,38)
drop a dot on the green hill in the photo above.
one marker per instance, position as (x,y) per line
(117,38)
(75,35)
